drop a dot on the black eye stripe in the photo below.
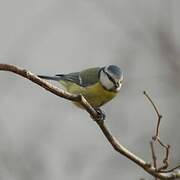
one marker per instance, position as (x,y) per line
(111,79)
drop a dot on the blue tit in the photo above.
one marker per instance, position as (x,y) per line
(98,85)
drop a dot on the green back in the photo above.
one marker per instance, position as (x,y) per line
(83,78)
(89,76)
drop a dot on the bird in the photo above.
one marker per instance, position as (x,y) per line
(98,85)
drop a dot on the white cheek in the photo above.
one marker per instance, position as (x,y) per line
(106,82)
(117,89)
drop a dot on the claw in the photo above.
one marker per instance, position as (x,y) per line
(101,116)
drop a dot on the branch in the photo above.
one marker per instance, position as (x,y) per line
(93,113)
(157,138)
(154,156)
(158,115)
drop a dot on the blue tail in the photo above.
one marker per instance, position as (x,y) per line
(54,78)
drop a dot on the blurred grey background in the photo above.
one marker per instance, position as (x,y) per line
(44,137)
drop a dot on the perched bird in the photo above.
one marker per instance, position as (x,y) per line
(98,85)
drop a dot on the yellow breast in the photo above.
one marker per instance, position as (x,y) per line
(95,94)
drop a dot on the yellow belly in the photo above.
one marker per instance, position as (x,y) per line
(96,95)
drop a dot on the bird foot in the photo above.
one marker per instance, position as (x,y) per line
(101,115)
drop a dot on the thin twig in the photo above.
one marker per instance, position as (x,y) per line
(157,138)
(82,101)
(154,156)
(157,112)
(170,170)
(166,159)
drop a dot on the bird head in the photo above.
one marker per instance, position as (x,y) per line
(111,78)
